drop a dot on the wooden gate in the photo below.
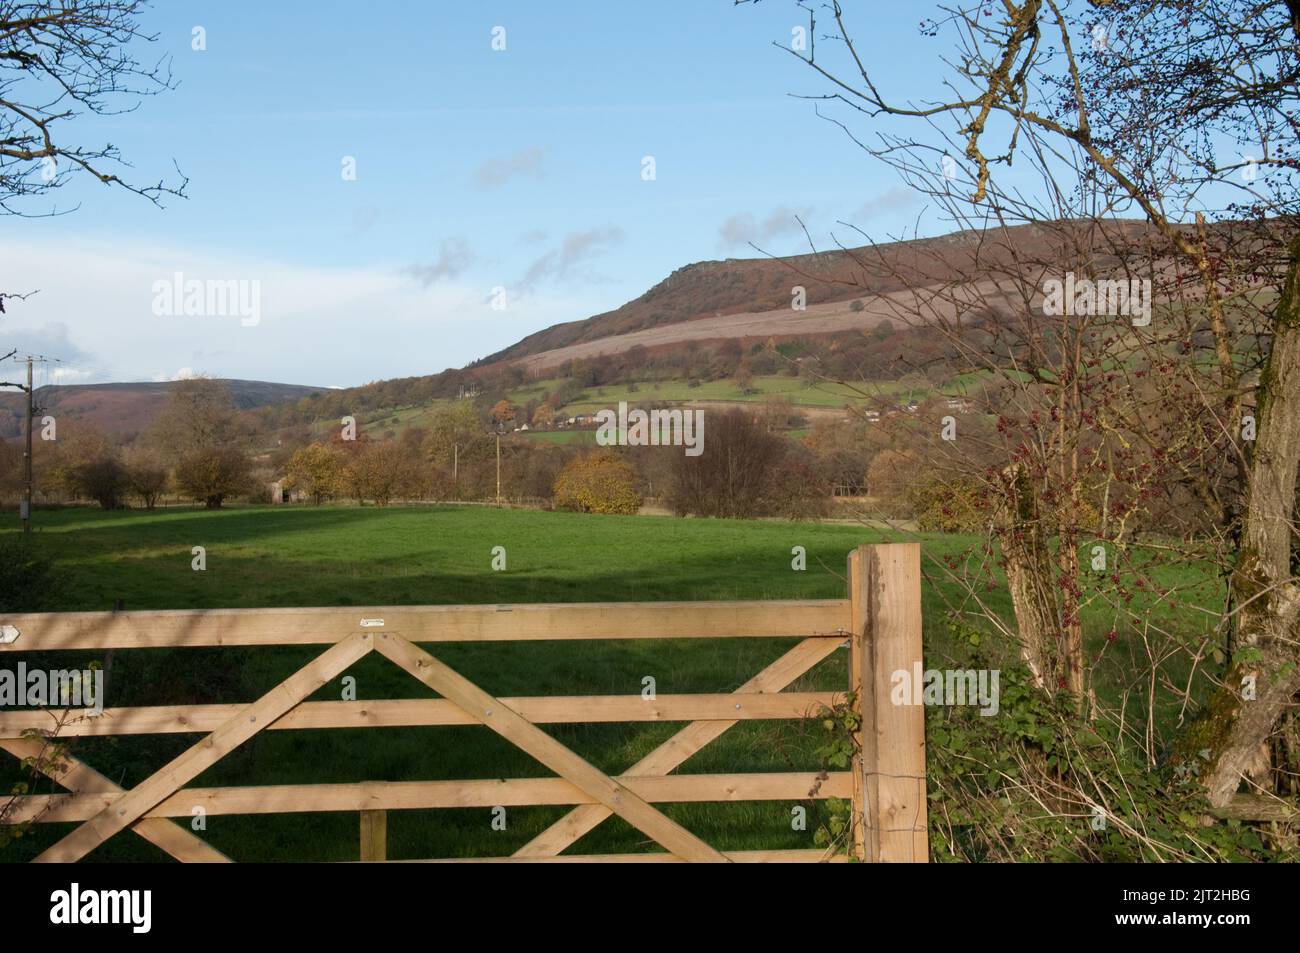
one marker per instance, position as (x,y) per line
(881,622)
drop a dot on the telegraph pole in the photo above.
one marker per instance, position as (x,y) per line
(498,470)
(26,508)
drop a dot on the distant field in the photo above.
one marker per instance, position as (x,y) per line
(815,396)
(372,557)
(577,437)
(799,392)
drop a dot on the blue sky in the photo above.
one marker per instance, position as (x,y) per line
(475,169)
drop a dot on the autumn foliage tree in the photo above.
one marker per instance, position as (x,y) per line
(205,441)
(213,474)
(503,412)
(103,479)
(379,470)
(544,417)
(598,482)
(146,475)
(315,470)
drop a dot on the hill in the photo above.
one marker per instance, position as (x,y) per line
(127,408)
(751,298)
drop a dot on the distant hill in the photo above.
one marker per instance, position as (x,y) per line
(701,290)
(713,291)
(128,408)
(848,289)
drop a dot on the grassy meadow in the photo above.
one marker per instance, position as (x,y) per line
(338,556)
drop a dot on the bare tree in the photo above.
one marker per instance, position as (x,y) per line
(1144,98)
(59,61)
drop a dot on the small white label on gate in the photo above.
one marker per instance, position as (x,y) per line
(372,623)
(8,633)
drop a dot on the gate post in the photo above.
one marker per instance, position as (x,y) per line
(889,791)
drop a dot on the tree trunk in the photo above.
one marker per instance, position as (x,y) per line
(1029,578)
(1266,647)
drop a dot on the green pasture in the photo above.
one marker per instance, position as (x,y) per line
(348,556)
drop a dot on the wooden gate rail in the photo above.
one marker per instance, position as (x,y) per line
(430,712)
(552,621)
(424,795)
(792,856)
(886,783)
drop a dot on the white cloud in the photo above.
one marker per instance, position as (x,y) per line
(316,324)
(454,256)
(497,172)
(184,374)
(71,375)
(890,200)
(574,251)
(744,228)
(49,338)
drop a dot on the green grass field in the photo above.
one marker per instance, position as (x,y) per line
(799,392)
(581,438)
(337,556)
(796,390)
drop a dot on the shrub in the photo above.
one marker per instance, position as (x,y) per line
(1030,783)
(599,482)
(103,479)
(948,506)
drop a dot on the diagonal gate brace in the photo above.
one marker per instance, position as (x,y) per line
(80,777)
(164,782)
(521,732)
(681,746)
